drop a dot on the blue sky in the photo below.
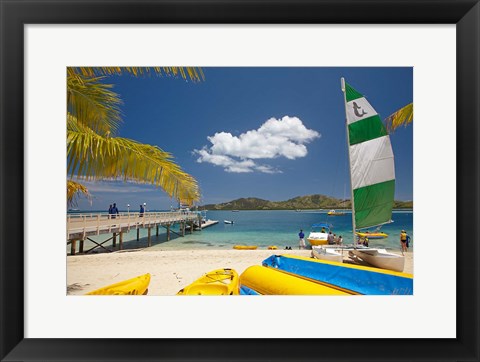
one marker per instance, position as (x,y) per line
(272,132)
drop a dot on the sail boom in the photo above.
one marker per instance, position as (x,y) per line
(372,226)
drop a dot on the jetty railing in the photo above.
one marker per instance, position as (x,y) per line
(80,225)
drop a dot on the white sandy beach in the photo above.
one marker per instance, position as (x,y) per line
(170,270)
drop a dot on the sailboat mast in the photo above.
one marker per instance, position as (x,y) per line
(348,152)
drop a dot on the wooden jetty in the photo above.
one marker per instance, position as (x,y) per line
(203,225)
(81,226)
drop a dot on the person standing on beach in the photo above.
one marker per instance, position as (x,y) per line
(301,243)
(365,242)
(330,239)
(403,241)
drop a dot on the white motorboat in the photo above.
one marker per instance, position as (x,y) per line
(319,234)
(228,221)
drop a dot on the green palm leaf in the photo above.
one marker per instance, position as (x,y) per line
(403,116)
(93,103)
(74,189)
(95,157)
(195,74)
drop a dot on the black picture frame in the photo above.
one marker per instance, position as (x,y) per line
(15,14)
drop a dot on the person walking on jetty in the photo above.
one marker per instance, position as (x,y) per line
(301,242)
(142,210)
(110,211)
(114,211)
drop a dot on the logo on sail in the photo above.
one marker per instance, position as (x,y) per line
(356,107)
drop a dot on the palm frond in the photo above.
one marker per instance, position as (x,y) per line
(403,116)
(92,156)
(195,74)
(74,190)
(93,103)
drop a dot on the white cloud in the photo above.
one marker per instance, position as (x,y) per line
(286,137)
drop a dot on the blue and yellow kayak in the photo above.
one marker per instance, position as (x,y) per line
(216,282)
(353,278)
(134,286)
(267,281)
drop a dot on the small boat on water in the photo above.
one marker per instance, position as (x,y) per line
(216,282)
(245,247)
(319,234)
(380,258)
(228,222)
(235,211)
(335,213)
(374,235)
(134,286)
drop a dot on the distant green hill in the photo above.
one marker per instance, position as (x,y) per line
(300,202)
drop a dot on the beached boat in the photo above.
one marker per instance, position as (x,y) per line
(216,282)
(372,172)
(134,286)
(319,234)
(245,247)
(228,222)
(351,278)
(330,254)
(335,213)
(380,258)
(267,281)
(374,235)
(272,247)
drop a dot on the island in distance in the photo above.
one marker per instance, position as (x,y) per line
(308,202)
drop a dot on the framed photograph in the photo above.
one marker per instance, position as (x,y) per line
(276,82)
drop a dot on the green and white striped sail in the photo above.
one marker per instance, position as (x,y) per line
(372,168)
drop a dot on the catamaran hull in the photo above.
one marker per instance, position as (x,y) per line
(329,254)
(380,258)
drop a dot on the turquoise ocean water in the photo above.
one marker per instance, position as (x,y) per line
(262,228)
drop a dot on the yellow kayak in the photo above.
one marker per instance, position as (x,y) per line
(269,281)
(134,286)
(272,247)
(372,235)
(245,247)
(216,282)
